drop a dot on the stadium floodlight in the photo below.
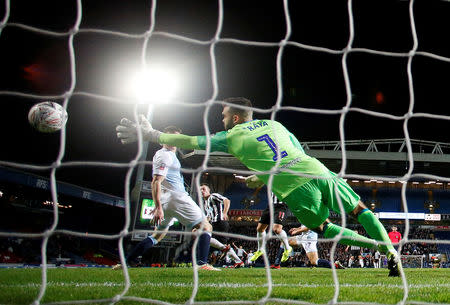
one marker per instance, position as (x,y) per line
(155,85)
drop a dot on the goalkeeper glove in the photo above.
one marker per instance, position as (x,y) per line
(127,131)
(253,182)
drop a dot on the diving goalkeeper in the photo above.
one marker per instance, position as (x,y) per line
(266,145)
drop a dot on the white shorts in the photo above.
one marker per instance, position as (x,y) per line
(309,245)
(182,207)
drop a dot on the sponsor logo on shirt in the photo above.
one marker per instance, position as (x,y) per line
(291,163)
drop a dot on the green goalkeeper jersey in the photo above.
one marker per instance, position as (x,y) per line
(255,144)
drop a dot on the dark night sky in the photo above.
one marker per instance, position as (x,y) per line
(39,64)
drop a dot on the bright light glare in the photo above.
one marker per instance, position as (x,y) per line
(155,85)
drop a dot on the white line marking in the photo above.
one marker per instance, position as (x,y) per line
(217,285)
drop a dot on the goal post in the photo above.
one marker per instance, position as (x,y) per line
(408,261)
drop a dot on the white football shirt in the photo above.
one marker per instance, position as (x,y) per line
(166,163)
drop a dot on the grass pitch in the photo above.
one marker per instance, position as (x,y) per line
(175,285)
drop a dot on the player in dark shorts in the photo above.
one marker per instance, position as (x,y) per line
(279,213)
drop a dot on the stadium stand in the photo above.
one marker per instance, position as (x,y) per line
(24,200)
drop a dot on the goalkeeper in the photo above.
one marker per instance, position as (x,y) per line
(266,145)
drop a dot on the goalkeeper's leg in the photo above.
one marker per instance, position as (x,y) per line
(335,189)
(377,231)
(307,202)
(352,238)
(374,228)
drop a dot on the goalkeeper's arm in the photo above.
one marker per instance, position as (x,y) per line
(127,132)
(179,140)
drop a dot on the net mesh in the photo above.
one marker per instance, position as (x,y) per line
(211,43)
(408,261)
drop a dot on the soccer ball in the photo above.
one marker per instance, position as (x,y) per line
(47,117)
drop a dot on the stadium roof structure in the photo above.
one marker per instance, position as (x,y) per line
(32,180)
(381,157)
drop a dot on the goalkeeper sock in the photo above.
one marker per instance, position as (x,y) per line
(203,248)
(331,230)
(261,237)
(375,229)
(284,239)
(141,248)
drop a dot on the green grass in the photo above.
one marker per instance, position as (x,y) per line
(175,285)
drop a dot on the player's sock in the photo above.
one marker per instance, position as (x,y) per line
(203,248)
(279,256)
(331,230)
(261,237)
(323,263)
(375,229)
(216,244)
(141,248)
(234,256)
(284,239)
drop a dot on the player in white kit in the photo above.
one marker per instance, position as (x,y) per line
(173,202)
(308,240)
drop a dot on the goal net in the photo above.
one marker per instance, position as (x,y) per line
(408,261)
(319,63)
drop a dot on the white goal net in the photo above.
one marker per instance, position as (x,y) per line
(278,34)
(408,261)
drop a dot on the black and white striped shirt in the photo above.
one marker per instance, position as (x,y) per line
(213,206)
(355,248)
(276,201)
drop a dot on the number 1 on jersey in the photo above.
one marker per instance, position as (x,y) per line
(266,138)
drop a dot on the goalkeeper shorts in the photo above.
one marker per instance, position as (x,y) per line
(311,202)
